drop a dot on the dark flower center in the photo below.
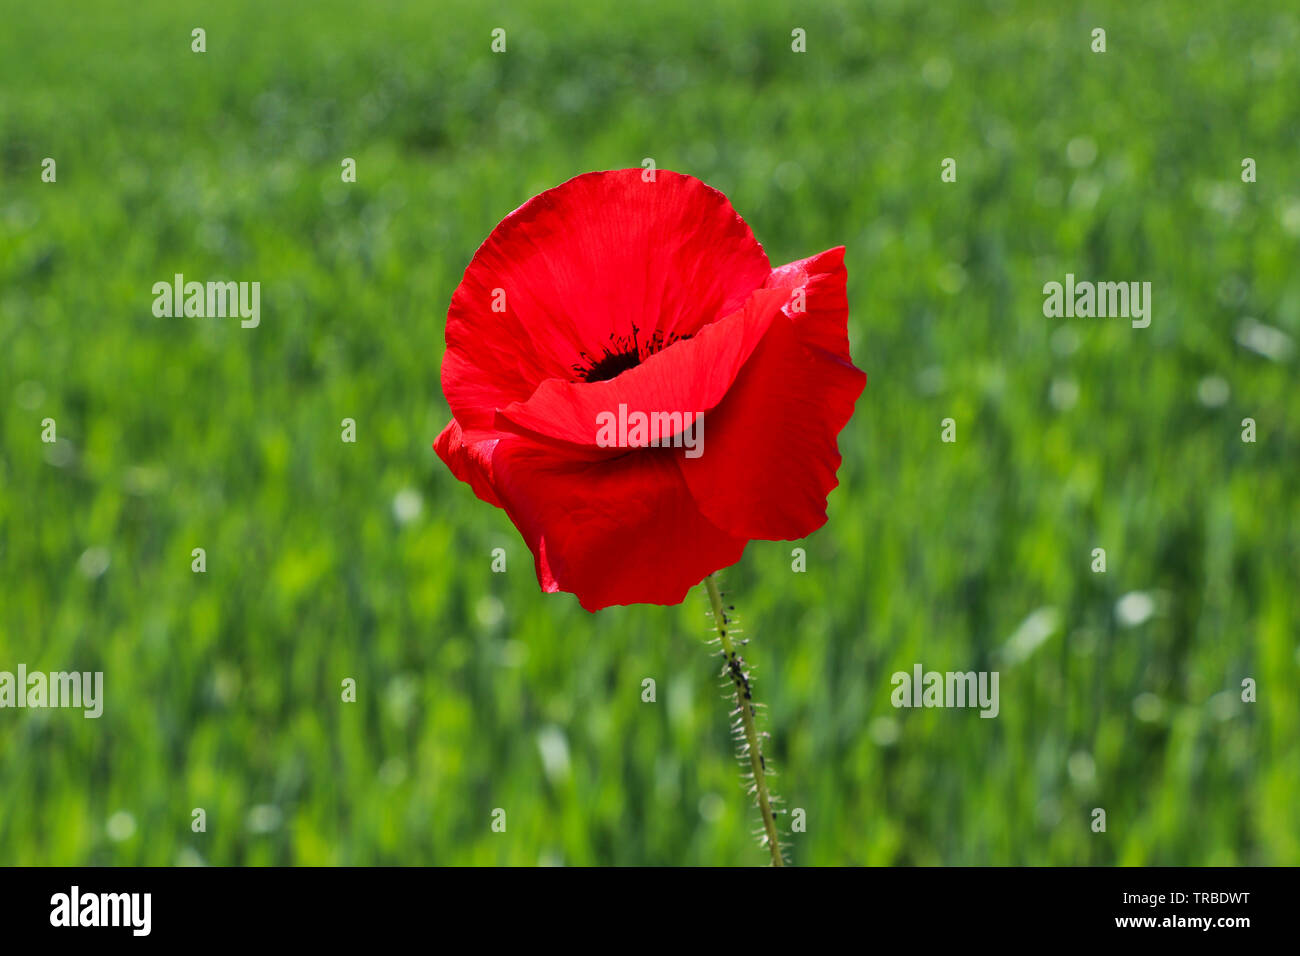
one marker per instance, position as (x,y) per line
(609,365)
(623,352)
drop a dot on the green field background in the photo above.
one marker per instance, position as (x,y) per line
(327,560)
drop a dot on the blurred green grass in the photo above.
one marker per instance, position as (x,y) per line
(222,689)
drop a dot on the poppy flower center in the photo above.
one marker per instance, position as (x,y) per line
(609,365)
(622,353)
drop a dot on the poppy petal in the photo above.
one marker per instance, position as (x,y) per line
(770,448)
(824,319)
(578,266)
(612,530)
(471,462)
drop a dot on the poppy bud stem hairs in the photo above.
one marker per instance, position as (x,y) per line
(597,330)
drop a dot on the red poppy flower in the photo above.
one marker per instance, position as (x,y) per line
(610,293)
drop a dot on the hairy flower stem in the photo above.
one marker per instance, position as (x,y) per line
(744,701)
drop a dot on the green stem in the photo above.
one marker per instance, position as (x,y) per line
(744,701)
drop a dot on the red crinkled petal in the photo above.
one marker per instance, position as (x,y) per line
(824,321)
(471,462)
(770,449)
(612,530)
(689,376)
(585,261)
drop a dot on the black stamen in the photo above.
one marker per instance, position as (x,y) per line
(624,352)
